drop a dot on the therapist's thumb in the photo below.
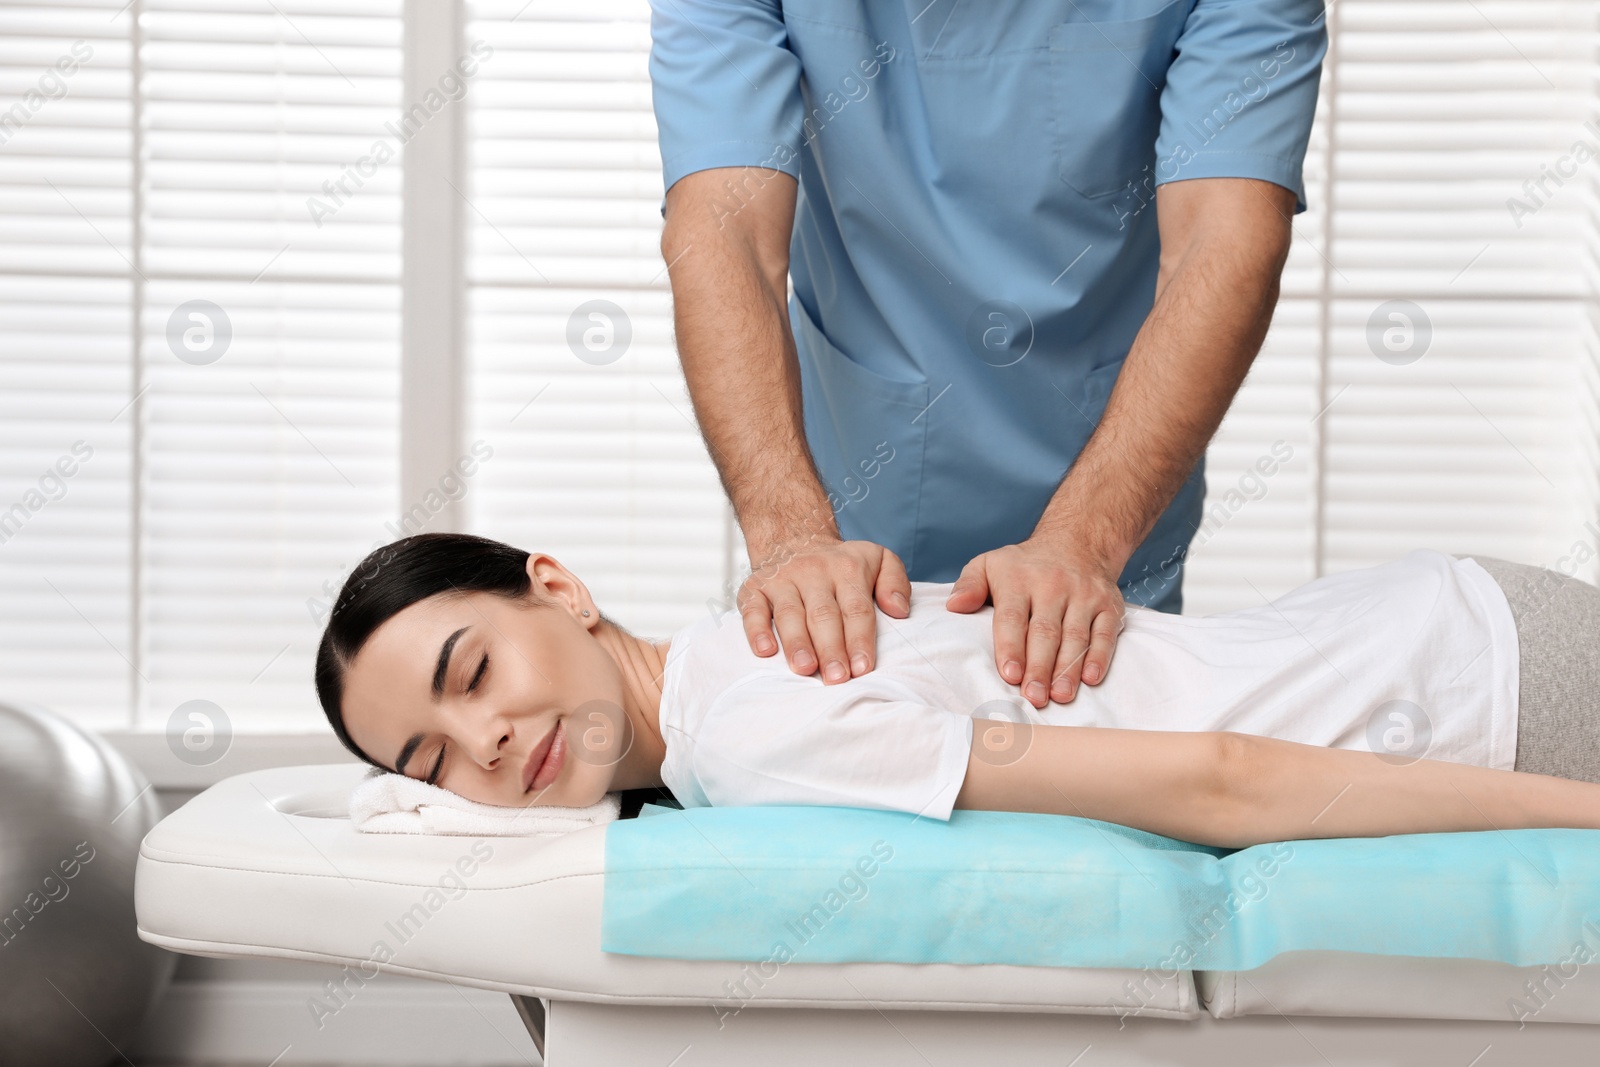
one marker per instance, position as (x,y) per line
(893,588)
(971,590)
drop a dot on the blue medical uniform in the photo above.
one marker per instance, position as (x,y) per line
(975,242)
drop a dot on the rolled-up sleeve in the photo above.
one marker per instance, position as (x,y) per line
(725,86)
(1241,92)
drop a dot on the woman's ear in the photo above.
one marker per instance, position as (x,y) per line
(546,575)
(555,585)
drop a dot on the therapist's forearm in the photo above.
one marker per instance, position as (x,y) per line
(1221,261)
(729,275)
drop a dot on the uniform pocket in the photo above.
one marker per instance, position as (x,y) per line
(867,434)
(1107,79)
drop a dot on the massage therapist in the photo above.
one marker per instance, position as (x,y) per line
(1034,245)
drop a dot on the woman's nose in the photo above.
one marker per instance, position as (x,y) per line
(487,738)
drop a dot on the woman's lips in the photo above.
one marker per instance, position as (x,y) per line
(546,760)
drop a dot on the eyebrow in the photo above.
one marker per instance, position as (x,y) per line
(439,671)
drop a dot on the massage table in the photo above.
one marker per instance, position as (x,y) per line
(267,864)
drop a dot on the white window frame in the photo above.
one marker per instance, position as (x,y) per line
(433,265)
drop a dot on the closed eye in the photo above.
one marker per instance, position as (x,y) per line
(483,667)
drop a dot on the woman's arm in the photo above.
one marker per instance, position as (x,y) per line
(1232,790)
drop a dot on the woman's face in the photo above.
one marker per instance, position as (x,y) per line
(519,701)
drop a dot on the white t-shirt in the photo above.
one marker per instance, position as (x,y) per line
(1318,665)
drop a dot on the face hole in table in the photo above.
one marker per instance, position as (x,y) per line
(315,804)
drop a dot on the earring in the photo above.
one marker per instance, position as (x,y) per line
(586,611)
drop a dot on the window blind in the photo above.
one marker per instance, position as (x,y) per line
(1479,437)
(574,381)
(271,469)
(66,357)
(193,224)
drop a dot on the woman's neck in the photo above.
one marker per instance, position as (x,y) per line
(641,663)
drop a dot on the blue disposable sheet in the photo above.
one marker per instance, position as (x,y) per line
(815,884)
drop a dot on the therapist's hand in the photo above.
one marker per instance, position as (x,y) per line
(1057,614)
(820,592)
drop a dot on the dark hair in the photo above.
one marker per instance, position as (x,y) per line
(391,579)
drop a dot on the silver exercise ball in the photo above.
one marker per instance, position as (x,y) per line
(75,980)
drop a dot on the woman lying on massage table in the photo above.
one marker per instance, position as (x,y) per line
(1376,701)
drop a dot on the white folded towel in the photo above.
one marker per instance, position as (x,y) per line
(386,803)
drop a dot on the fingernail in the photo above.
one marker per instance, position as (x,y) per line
(804,661)
(1091,673)
(900,601)
(1037,692)
(1013,671)
(835,671)
(763,644)
(858,663)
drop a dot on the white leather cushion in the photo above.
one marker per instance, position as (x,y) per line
(1347,983)
(268,864)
